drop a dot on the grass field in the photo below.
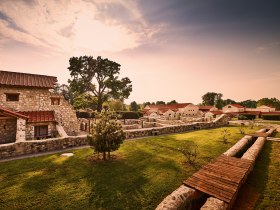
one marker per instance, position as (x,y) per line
(265,177)
(144,172)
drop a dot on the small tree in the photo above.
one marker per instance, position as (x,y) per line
(225,135)
(241,128)
(107,135)
(189,150)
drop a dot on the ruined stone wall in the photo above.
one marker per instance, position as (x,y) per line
(38,146)
(8,129)
(36,99)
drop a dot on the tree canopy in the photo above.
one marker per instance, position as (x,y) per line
(133,106)
(274,102)
(98,77)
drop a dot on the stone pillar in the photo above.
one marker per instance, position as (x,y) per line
(21,126)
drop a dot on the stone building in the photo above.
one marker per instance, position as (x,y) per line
(29,109)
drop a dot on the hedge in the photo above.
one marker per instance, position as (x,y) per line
(247,117)
(130,115)
(85,114)
(271,117)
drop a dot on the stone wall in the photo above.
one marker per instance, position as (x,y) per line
(38,146)
(36,99)
(30,129)
(8,129)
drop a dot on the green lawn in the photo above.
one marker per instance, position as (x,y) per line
(145,171)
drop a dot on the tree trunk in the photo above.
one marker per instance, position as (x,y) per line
(109,155)
(104,155)
(99,104)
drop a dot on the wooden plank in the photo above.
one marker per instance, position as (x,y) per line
(242,163)
(210,190)
(226,179)
(221,177)
(217,182)
(223,168)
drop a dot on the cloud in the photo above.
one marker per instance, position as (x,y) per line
(75,25)
(273,46)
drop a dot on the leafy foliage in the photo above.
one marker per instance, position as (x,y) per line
(271,117)
(84,101)
(98,76)
(274,102)
(107,134)
(133,106)
(172,102)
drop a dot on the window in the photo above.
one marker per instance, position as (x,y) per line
(12,96)
(55,101)
(40,131)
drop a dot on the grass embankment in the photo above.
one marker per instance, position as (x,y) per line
(145,171)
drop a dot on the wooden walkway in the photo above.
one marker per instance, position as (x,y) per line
(221,178)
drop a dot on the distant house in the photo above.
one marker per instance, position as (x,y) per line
(172,111)
(206,109)
(231,108)
(30,110)
(212,114)
(264,108)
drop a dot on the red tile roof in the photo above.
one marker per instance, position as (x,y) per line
(39,116)
(217,112)
(237,105)
(8,78)
(205,107)
(271,113)
(7,112)
(173,107)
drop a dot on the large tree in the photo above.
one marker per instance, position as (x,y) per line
(249,103)
(98,77)
(211,98)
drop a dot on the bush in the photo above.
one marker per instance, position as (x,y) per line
(271,117)
(130,115)
(85,114)
(106,135)
(247,117)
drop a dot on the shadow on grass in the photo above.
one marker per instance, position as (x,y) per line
(256,181)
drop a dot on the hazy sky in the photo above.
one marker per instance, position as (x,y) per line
(170,49)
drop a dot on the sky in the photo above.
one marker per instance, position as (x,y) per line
(170,49)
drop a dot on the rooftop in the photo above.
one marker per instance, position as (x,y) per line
(18,79)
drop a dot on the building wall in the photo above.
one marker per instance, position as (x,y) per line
(8,128)
(230,108)
(30,129)
(191,110)
(36,99)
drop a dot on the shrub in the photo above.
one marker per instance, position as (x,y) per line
(247,117)
(271,117)
(106,135)
(85,114)
(189,150)
(130,115)
(225,135)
